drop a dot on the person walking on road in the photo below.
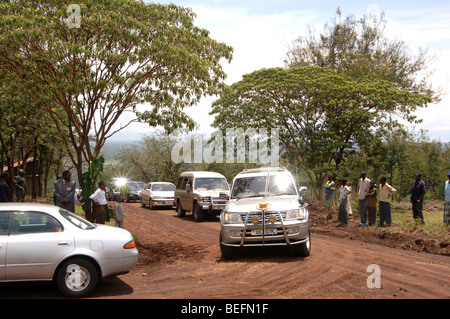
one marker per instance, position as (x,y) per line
(385,192)
(65,192)
(363,185)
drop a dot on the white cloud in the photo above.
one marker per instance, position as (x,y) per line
(260,41)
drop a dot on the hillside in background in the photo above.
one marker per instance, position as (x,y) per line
(112,148)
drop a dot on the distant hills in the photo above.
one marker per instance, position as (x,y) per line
(112,148)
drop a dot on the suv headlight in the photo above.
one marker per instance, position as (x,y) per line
(232,218)
(299,213)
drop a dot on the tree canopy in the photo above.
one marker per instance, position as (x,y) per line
(319,113)
(123,53)
(359,48)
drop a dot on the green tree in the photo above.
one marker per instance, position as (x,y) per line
(123,54)
(150,160)
(320,113)
(360,49)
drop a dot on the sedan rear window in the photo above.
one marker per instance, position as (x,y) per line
(76,220)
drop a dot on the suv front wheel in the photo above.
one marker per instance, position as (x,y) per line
(181,212)
(228,252)
(303,249)
(197,212)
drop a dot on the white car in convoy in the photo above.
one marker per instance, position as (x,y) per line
(40,242)
(265,209)
(158,194)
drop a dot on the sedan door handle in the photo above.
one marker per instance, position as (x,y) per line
(64,243)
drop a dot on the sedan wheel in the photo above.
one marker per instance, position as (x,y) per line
(76,278)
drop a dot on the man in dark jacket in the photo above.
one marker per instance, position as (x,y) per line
(5,192)
(418,191)
(65,192)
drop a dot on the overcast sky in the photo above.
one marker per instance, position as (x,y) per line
(260,32)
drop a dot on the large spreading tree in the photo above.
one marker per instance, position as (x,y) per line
(87,65)
(319,113)
(340,90)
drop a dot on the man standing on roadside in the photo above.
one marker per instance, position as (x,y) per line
(99,203)
(447,201)
(65,192)
(330,188)
(384,205)
(418,191)
(20,186)
(5,192)
(363,186)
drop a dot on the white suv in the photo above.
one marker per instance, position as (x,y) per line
(265,209)
(199,193)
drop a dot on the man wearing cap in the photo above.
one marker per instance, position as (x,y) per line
(447,201)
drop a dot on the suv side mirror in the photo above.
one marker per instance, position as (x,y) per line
(303,190)
(224,196)
(188,187)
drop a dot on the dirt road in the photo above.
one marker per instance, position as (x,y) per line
(180,259)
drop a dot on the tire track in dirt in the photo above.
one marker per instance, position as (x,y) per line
(181,259)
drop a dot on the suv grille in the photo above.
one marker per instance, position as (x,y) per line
(267,216)
(216,200)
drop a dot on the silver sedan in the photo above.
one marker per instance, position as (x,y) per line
(41,242)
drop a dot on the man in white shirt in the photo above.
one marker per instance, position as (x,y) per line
(99,203)
(363,186)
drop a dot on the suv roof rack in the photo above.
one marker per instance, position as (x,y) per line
(264,169)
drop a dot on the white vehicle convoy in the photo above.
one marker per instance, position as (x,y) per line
(265,209)
(199,192)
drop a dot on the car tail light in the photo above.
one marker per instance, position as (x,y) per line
(131,244)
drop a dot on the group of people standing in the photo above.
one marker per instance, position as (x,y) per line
(19,183)
(64,197)
(368,198)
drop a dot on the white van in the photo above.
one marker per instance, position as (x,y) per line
(199,192)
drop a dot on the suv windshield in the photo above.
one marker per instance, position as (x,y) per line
(211,183)
(255,186)
(163,187)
